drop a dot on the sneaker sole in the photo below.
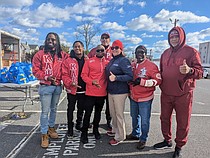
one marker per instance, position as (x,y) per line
(70,137)
(116,143)
(110,135)
(166,147)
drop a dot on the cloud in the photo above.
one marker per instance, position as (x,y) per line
(144,35)
(88,7)
(164,1)
(121,11)
(160,22)
(177,3)
(133,39)
(29,35)
(194,38)
(52,24)
(117,35)
(48,10)
(113,26)
(142,4)
(118,2)
(6,13)
(16,3)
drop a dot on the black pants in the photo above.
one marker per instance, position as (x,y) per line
(107,112)
(92,101)
(72,100)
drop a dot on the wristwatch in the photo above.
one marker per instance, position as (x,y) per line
(191,71)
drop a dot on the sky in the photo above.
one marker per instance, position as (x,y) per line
(133,22)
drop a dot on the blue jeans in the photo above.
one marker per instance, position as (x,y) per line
(49,97)
(140,113)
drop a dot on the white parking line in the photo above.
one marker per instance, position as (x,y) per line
(22,143)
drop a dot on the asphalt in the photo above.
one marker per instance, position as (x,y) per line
(20,137)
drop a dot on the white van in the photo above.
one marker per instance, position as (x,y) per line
(206,70)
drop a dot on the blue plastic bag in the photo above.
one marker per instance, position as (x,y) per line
(21,77)
(3,78)
(28,71)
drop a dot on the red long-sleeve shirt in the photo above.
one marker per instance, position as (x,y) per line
(150,77)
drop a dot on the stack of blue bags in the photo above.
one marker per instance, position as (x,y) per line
(19,72)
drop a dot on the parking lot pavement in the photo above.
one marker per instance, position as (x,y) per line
(21,138)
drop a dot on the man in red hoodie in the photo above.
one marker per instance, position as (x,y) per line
(180,65)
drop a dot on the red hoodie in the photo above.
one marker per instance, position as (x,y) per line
(94,69)
(173,82)
(44,65)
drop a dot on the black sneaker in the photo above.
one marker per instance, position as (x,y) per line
(97,134)
(78,127)
(131,137)
(177,153)
(163,145)
(84,137)
(141,145)
(70,134)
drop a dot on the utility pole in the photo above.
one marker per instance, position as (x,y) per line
(175,21)
(150,54)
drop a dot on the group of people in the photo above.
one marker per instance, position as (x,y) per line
(106,75)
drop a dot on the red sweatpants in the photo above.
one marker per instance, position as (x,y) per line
(183,108)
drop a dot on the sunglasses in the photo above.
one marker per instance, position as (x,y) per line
(104,37)
(116,48)
(139,52)
(100,50)
(52,39)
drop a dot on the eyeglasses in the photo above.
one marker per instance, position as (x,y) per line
(139,52)
(52,39)
(104,37)
(116,48)
(100,50)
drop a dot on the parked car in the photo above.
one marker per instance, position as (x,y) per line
(206,72)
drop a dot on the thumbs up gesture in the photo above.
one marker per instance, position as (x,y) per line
(184,68)
(112,77)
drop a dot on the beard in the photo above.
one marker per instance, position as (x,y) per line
(51,47)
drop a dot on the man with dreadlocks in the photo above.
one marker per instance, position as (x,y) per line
(47,64)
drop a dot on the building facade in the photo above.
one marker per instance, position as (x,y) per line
(204,49)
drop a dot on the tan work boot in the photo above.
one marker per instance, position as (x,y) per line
(52,132)
(45,141)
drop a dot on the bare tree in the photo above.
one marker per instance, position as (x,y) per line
(86,32)
(65,48)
